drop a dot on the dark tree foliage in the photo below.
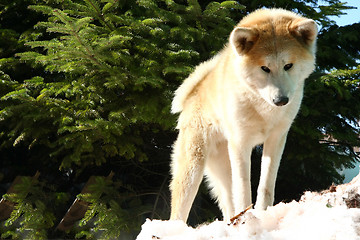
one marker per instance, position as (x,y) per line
(86,87)
(338,47)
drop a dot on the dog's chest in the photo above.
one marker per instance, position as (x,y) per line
(258,122)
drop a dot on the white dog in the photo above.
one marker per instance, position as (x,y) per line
(246,95)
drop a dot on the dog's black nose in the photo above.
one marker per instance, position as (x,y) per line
(281,101)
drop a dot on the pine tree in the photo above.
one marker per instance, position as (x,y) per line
(119,63)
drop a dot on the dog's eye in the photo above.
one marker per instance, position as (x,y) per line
(288,66)
(265,69)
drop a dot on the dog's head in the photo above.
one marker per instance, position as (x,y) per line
(276,49)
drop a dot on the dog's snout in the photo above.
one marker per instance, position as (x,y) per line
(280,101)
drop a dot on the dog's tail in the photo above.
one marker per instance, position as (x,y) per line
(201,71)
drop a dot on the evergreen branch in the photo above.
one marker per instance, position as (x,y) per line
(41,8)
(74,33)
(100,14)
(348,146)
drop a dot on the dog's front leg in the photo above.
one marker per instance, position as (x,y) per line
(270,161)
(240,154)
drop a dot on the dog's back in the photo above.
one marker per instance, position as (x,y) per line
(200,72)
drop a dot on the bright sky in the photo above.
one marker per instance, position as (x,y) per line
(353,15)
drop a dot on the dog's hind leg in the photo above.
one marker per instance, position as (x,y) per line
(188,161)
(218,173)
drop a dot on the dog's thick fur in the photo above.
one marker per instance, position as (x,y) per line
(246,95)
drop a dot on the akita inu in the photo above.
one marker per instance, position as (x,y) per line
(246,95)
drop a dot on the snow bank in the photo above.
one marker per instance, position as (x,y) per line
(333,214)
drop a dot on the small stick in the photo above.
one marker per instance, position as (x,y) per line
(240,214)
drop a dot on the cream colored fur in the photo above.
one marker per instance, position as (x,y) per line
(247,95)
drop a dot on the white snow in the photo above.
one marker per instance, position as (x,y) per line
(329,215)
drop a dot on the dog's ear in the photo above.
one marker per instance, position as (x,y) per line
(243,39)
(305,30)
